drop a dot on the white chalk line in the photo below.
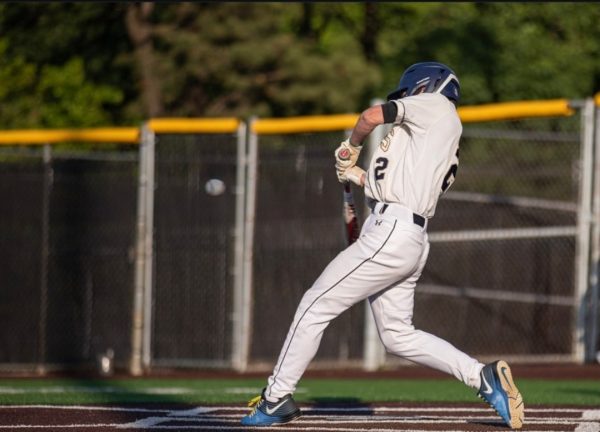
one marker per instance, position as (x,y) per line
(200,420)
(391,419)
(95,425)
(120,390)
(86,408)
(588,427)
(591,415)
(149,421)
(361,419)
(243,410)
(154,422)
(287,427)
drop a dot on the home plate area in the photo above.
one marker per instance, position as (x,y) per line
(315,417)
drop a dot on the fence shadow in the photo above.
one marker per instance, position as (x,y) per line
(340,406)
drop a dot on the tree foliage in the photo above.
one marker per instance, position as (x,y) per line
(92,64)
(248,61)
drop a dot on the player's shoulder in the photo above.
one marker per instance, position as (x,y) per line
(430,106)
(428,99)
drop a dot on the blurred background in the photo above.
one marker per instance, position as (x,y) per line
(187,241)
(112,64)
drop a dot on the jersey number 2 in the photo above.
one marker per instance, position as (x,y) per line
(381,164)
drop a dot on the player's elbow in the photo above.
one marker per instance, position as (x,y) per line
(367,121)
(372,117)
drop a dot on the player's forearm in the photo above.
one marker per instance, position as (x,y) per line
(368,120)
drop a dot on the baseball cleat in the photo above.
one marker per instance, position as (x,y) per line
(266,413)
(500,392)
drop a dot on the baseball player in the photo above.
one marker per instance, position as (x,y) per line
(410,169)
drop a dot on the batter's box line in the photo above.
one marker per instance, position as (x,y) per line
(153,422)
(287,427)
(587,414)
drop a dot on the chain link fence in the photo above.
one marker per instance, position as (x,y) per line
(68,227)
(194,245)
(298,230)
(501,277)
(195,249)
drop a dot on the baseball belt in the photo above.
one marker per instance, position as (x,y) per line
(399,212)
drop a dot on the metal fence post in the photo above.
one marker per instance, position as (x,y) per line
(584,219)
(239,354)
(143,259)
(150,137)
(243,335)
(373,349)
(45,252)
(593,323)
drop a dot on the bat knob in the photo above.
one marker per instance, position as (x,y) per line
(344,154)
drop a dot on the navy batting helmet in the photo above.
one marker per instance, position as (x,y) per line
(427,77)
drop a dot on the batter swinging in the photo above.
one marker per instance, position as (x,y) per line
(412,166)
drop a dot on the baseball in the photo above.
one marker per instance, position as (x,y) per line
(214,187)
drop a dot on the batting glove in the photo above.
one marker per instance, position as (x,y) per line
(354,174)
(346,155)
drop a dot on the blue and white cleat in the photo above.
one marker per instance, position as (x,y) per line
(500,392)
(266,413)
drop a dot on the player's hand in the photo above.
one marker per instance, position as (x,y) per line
(346,155)
(354,174)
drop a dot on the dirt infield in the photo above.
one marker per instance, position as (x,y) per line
(327,418)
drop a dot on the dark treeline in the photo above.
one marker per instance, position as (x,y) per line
(99,64)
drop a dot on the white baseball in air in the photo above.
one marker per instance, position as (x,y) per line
(214,187)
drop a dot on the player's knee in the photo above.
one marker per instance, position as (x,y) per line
(397,340)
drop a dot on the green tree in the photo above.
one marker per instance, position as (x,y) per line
(501,51)
(55,54)
(17,79)
(51,96)
(67,98)
(549,51)
(242,59)
(281,59)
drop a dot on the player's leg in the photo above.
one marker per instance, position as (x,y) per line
(368,266)
(371,264)
(393,312)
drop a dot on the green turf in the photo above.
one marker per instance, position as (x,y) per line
(198,391)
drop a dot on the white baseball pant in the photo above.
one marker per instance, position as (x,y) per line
(383,265)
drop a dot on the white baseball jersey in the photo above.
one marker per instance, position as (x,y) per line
(417,161)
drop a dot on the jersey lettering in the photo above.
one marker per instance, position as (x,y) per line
(387,140)
(450,175)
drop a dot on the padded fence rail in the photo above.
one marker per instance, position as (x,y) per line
(140,250)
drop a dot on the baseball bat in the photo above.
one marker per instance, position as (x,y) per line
(349,213)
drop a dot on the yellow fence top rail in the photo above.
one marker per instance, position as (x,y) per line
(266,126)
(290,125)
(468,114)
(187,125)
(50,136)
(515,110)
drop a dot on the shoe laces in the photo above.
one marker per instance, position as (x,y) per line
(253,403)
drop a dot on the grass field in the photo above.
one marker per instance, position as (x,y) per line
(211,391)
